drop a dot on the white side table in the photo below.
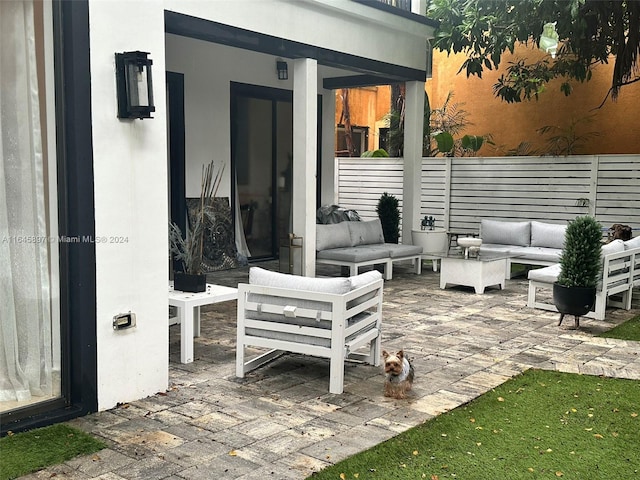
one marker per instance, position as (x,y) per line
(188,305)
(434,243)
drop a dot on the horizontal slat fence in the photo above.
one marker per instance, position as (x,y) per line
(460,191)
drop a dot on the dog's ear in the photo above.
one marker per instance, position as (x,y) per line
(385,354)
(400,354)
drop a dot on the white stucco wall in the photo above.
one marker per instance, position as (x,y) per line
(130,156)
(340,25)
(131,210)
(208,69)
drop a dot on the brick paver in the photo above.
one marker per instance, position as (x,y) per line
(281,422)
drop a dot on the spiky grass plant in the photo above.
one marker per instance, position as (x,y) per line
(189,250)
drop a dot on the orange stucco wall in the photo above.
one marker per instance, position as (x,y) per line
(509,124)
(367,106)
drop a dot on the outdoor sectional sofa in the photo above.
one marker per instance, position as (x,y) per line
(531,242)
(358,244)
(620,274)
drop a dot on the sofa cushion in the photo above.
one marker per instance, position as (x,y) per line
(633,243)
(333,235)
(400,250)
(363,253)
(612,247)
(505,233)
(549,235)
(540,254)
(494,248)
(365,233)
(547,274)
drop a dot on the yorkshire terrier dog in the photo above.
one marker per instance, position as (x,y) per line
(399,373)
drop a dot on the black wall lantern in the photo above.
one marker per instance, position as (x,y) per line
(135,87)
(283,71)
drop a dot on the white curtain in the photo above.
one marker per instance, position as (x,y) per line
(25,312)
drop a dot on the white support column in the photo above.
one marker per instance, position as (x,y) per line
(329,189)
(305,131)
(412,179)
(419,7)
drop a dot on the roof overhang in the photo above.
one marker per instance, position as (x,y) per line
(366,71)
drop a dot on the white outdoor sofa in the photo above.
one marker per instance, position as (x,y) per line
(530,242)
(322,317)
(359,244)
(620,274)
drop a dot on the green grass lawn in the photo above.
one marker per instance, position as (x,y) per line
(538,425)
(629,330)
(30,451)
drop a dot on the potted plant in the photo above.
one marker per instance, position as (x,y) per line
(189,251)
(389,214)
(574,292)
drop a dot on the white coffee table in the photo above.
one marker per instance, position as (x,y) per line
(479,272)
(188,305)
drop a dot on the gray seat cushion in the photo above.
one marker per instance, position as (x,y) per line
(633,243)
(549,235)
(363,253)
(495,248)
(401,250)
(540,254)
(505,233)
(546,275)
(365,233)
(334,235)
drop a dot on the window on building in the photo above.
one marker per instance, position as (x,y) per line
(360,139)
(383,139)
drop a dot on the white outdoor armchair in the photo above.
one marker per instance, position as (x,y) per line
(323,317)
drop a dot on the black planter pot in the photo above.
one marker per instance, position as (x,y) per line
(575,301)
(187,282)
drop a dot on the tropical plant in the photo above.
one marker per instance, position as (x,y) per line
(591,32)
(189,251)
(567,140)
(389,212)
(580,262)
(381,152)
(439,127)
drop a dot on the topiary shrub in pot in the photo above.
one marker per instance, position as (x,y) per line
(574,292)
(389,214)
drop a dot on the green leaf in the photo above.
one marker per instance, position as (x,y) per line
(444,141)
(472,142)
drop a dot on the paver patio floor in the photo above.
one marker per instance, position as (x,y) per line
(280,422)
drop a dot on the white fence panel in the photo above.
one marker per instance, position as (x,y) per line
(460,191)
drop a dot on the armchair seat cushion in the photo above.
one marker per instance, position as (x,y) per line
(545,275)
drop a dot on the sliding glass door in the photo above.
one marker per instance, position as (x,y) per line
(262,146)
(30,350)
